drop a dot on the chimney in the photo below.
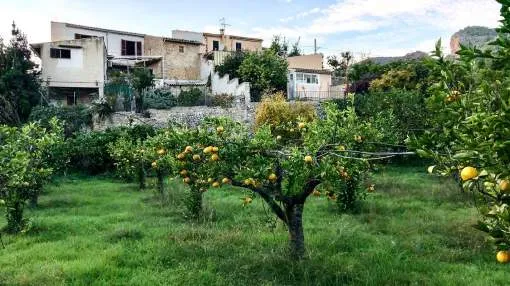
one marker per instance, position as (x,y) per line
(222,31)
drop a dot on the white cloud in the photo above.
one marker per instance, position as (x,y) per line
(368,16)
(301,15)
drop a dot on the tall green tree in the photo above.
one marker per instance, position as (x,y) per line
(141,80)
(264,71)
(19,84)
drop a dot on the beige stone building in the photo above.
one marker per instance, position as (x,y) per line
(179,58)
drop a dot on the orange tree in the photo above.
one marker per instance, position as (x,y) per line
(136,158)
(333,153)
(470,128)
(25,160)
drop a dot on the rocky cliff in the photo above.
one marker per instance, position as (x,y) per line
(474,36)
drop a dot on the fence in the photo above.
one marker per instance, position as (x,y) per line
(319,95)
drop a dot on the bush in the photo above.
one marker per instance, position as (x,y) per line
(408,108)
(231,65)
(222,100)
(192,97)
(264,71)
(26,162)
(283,116)
(75,118)
(159,99)
(88,151)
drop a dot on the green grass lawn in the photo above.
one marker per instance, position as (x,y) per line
(415,230)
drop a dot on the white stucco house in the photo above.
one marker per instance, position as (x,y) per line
(307,79)
(74,71)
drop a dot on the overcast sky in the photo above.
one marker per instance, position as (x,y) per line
(371,27)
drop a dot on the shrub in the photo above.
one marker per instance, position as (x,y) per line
(26,164)
(282,116)
(407,107)
(88,151)
(192,97)
(159,99)
(231,65)
(222,100)
(264,71)
(75,118)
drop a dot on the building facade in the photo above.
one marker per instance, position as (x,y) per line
(180,59)
(118,43)
(307,79)
(74,71)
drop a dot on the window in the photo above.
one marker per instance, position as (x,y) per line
(60,53)
(215,45)
(82,36)
(238,46)
(138,48)
(181,49)
(307,78)
(131,48)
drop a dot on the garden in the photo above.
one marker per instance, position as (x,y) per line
(406,181)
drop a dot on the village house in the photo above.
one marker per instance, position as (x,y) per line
(218,46)
(309,80)
(74,71)
(74,64)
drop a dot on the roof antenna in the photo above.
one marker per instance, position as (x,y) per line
(223,25)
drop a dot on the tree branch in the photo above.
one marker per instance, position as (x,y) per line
(307,190)
(267,197)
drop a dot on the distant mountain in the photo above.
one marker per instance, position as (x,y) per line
(411,56)
(473,36)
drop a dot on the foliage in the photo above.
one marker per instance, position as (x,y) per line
(295,50)
(88,151)
(341,66)
(264,71)
(231,64)
(407,107)
(469,128)
(141,80)
(75,118)
(222,100)
(159,99)
(19,85)
(25,157)
(279,45)
(331,153)
(191,97)
(412,75)
(283,116)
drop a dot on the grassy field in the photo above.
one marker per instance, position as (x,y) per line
(414,230)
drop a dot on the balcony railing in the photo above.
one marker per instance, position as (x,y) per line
(319,95)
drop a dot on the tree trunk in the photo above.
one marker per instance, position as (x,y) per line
(161,183)
(294,213)
(34,198)
(14,215)
(141,177)
(194,203)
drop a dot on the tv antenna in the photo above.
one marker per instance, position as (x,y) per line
(223,24)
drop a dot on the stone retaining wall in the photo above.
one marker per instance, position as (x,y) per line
(190,116)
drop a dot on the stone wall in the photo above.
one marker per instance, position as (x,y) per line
(190,116)
(180,60)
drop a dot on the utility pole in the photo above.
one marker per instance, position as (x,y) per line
(314,46)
